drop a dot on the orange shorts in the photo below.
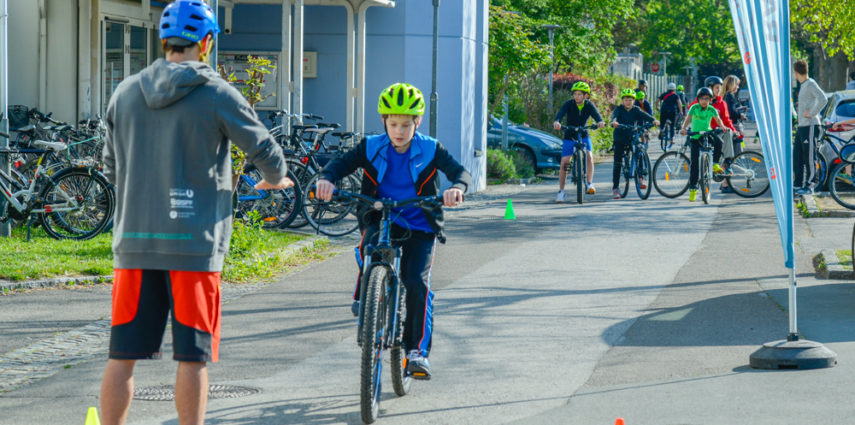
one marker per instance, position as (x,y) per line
(142,300)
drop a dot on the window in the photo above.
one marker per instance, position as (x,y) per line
(846,109)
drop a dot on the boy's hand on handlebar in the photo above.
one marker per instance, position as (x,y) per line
(324,189)
(556,125)
(452,197)
(601,124)
(285,183)
(683,131)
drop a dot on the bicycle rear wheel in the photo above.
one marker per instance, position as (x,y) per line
(577,171)
(706,171)
(748,178)
(278,208)
(642,171)
(303,174)
(335,218)
(671,174)
(96,203)
(624,175)
(841,184)
(373,328)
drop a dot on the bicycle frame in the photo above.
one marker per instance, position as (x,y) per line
(26,194)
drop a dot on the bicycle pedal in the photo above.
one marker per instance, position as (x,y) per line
(420,376)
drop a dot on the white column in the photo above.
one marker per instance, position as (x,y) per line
(5,229)
(84,64)
(95,58)
(360,70)
(351,51)
(298,58)
(285,61)
(42,55)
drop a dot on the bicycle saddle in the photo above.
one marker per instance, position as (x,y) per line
(54,146)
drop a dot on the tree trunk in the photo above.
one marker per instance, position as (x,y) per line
(830,73)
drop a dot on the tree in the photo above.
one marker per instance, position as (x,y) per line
(513,53)
(824,30)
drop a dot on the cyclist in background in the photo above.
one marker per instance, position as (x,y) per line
(701,115)
(401,164)
(642,103)
(682,98)
(627,114)
(669,105)
(577,112)
(642,86)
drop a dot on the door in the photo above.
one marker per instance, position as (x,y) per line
(126,50)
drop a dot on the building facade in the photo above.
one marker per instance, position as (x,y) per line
(67,57)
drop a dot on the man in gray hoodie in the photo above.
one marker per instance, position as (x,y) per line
(168,153)
(811,100)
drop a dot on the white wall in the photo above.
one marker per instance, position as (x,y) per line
(61,60)
(23,52)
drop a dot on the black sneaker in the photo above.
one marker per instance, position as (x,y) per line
(354,308)
(418,366)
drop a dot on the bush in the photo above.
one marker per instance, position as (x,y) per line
(500,165)
(523,167)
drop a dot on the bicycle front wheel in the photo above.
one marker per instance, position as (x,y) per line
(401,380)
(373,328)
(748,176)
(278,208)
(88,193)
(578,170)
(671,174)
(706,171)
(642,172)
(624,176)
(841,184)
(335,218)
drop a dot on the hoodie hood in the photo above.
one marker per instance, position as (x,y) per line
(164,83)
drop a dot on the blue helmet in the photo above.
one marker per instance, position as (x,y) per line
(190,20)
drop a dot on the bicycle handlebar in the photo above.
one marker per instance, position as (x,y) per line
(644,126)
(380,204)
(579,128)
(701,133)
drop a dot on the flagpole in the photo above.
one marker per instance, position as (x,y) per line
(794,329)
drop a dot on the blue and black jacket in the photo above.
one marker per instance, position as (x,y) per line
(427,156)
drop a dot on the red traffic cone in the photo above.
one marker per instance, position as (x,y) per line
(619,421)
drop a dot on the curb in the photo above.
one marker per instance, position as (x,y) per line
(827,266)
(53,282)
(814,211)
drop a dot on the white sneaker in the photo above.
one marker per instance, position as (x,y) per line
(591,189)
(561,196)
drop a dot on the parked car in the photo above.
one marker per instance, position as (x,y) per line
(840,107)
(541,149)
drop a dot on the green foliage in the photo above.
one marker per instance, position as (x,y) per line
(827,23)
(513,53)
(699,29)
(255,253)
(522,165)
(258,68)
(500,166)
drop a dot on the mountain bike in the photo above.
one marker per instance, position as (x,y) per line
(578,166)
(636,165)
(73,203)
(382,307)
(705,176)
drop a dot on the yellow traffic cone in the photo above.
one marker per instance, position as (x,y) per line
(92,417)
(509,211)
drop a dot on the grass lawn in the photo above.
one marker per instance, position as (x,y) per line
(255,254)
(844,257)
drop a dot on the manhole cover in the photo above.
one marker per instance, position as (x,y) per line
(167,392)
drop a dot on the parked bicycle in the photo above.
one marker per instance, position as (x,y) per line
(578,166)
(382,310)
(276,208)
(73,203)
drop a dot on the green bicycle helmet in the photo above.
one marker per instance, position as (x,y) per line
(680,87)
(639,95)
(581,86)
(627,93)
(401,99)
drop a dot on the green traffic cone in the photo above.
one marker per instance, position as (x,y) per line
(509,211)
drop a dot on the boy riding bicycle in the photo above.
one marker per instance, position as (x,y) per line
(578,111)
(627,114)
(701,115)
(402,164)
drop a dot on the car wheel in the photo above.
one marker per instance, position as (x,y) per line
(527,156)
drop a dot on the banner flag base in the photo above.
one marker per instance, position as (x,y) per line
(798,354)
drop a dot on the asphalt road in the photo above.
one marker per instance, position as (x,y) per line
(571,314)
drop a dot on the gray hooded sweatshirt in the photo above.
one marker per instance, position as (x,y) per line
(168,153)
